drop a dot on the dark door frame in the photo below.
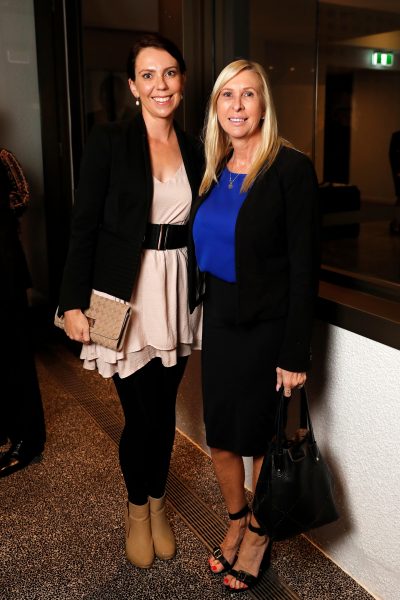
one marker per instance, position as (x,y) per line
(58,36)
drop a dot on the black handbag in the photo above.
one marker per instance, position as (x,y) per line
(294,492)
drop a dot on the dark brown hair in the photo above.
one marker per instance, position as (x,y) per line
(153,40)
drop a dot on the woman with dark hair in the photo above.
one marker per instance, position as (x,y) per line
(128,241)
(255,262)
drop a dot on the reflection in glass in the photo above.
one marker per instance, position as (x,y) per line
(358,112)
(345,123)
(108,31)
(107,97)
(282,39)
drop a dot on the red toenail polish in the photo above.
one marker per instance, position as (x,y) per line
(214,568)
(226,580)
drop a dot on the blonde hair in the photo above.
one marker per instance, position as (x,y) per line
(217,145)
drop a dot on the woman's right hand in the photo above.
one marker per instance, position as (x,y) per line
(76,325)
(289,380)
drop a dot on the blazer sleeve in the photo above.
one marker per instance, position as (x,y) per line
(87,216)
(300,191)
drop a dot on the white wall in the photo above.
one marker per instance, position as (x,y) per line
(355,403)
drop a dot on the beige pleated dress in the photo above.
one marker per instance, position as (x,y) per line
(160,325)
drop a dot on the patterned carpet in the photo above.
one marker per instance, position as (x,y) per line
(62,534)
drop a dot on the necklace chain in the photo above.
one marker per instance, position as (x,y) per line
(232,181)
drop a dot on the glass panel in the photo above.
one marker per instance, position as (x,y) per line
(108,30)
(283,40)
(20,127)
(358,113)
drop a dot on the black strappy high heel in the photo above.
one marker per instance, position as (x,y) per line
(217,551)
(247,578)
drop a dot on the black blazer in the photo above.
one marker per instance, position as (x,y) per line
(111,210)
(277,254)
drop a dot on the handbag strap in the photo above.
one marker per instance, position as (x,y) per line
(305,421)
(280,426)
(305,418)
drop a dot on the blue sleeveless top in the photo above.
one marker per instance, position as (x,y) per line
(214,227)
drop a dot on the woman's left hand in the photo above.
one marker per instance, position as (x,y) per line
(289,380)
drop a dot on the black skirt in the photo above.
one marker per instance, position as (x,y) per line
(238,373)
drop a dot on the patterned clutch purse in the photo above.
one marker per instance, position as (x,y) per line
(108,321)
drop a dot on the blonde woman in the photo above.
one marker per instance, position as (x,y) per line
(254,262)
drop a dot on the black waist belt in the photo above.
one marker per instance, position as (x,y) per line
(165,237)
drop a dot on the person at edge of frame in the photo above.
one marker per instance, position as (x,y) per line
(21,408)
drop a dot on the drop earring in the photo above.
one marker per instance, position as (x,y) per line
(137,101)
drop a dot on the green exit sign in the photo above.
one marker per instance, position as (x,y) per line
(384,59)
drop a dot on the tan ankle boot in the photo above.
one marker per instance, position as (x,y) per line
(163,538)
(139,542)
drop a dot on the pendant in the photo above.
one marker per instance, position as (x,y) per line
(230,185)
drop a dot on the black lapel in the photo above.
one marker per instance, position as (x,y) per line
(189,160)
(139,157)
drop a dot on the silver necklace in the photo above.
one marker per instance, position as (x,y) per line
(232,181)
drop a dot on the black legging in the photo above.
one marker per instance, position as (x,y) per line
(148,399)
